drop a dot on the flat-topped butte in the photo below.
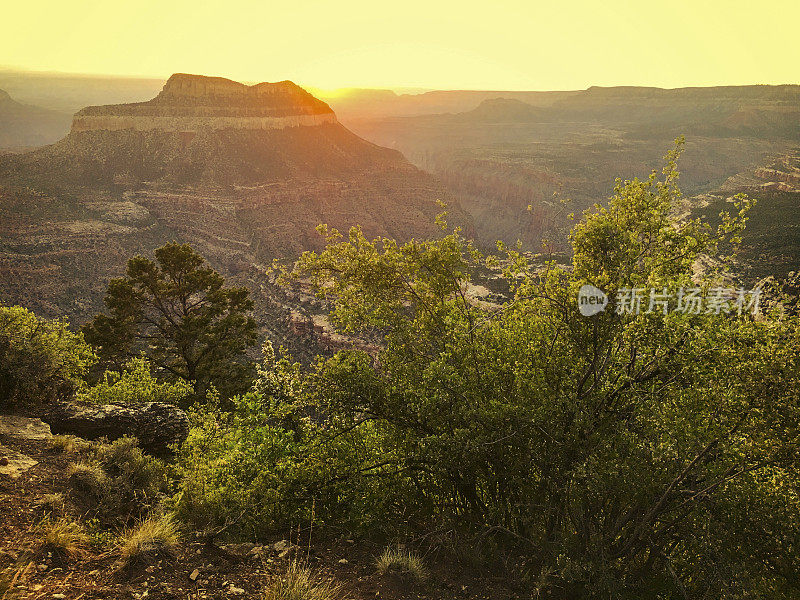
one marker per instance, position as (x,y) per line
(189,103)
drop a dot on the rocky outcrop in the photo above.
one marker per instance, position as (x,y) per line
(191,103)
(16,428)
(24,428)
(156,425)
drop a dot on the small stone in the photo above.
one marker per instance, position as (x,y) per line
(239,549)
(235,591)
(278,546)
(194,575)
(42,568)
(59,596)
(343,561)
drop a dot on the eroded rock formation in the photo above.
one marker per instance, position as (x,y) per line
(191,103)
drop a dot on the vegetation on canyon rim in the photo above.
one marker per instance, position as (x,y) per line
(650,455)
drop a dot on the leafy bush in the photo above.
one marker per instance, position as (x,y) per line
(618,455)
(267,462)
(625,455)
(40,359)
(135,384)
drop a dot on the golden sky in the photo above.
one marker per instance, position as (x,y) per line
(505,44)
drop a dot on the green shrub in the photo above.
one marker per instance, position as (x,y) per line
(621,455)
(617,456)
(265,463)
(135,384)
(40,359)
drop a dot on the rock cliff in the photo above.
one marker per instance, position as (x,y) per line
(191,103)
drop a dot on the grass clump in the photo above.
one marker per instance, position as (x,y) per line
(62,443)
(119,483)
(66,444)
(88,478)
(155,537)
(51,503)
(401,562)
(65,538)
(300,583)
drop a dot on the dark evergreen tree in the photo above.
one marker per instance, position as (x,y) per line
(179,314)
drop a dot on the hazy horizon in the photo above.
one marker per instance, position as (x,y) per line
(515,46)
(410,90)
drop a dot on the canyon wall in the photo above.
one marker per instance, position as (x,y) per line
(186,124)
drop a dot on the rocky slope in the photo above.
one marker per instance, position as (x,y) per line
(771,240)
(243,173)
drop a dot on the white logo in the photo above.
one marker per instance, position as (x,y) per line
(591,300)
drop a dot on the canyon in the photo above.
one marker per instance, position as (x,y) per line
(23,125)
(244,174)
(521,164)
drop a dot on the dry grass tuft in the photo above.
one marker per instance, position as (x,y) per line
(68,444)
(152,538)
(300,583)
(61,443)
(51,503)
(88,478)
(401,562)
(64,538)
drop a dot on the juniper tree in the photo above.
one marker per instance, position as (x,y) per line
(177,312)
